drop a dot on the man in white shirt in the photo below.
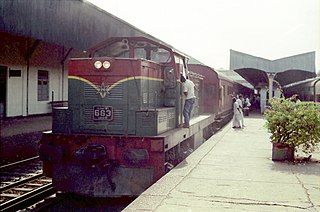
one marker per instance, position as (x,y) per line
(188,90)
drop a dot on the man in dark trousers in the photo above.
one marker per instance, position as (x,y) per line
(188,90)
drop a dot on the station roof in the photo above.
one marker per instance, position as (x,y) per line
(79,24)
(287,70)
(71,23)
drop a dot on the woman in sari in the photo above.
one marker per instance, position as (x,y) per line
(236,114)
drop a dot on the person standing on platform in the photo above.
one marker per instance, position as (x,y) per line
(247,102)
(240,102)
(188,90)
(236,123)
(246,105)
(295,98)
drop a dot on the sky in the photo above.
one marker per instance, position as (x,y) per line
(208,29)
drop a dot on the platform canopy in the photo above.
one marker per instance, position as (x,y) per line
(71,23)
(286,70)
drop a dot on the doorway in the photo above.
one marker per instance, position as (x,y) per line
(3,91)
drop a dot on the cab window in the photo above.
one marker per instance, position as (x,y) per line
(160,55)
(117,49)
(182,66)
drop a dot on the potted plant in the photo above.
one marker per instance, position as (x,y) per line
(293,126)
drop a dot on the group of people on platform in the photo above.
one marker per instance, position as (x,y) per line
(241,105)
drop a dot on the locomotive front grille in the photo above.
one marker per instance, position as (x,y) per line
(100,98)
(89,91)
(103,91)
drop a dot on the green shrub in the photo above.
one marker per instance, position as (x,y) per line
(294,124)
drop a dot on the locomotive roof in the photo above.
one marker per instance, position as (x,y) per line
(137,38)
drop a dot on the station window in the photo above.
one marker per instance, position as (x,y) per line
(43,85)
(15,73)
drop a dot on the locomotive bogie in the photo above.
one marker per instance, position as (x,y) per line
(102,181)
(110,161)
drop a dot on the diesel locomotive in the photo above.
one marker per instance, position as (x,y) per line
(121,129)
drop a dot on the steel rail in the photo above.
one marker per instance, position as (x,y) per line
(11,165)
(28,199)
(27,179)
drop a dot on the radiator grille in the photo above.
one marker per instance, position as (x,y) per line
(102,90)
(148,121)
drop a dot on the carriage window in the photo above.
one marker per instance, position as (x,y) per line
(229,90)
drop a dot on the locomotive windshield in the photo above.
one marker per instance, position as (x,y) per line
(155,54)
(141,49)
(117,49)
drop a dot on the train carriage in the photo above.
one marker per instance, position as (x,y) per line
(308,90)
(211,87)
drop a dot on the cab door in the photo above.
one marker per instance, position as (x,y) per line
(182,68)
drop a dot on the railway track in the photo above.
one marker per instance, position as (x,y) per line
(22,184)
(23,187)
(18,171)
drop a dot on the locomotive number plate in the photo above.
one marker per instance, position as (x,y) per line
(102,113)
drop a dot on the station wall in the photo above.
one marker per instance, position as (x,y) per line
(35,75)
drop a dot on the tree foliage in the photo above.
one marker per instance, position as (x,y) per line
(294,124)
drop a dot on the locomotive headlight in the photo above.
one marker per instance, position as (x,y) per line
(98,64)
(106,64)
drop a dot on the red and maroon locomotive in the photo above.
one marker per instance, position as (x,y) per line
(120,132)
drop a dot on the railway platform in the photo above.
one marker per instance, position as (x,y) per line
(233,171)
(22,125)
(20,136)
